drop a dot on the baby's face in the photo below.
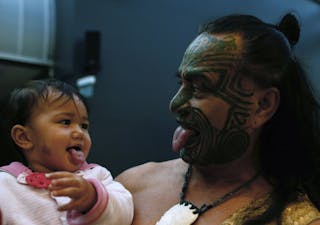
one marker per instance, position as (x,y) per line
(58,131)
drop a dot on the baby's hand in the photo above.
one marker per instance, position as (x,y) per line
(82,193)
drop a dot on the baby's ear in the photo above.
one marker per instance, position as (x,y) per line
(269,100)
(20,136)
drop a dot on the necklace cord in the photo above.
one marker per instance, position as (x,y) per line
(216,202)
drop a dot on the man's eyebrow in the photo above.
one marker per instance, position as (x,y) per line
(196,76)
(193,76)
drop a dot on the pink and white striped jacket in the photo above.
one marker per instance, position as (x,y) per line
(21,204)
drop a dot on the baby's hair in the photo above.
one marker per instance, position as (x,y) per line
(23,99)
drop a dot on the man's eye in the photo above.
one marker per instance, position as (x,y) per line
(199,91)
(196,89)
(65,122)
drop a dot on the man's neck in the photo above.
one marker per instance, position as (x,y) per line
(233,172)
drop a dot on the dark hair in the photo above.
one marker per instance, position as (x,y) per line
(289,144)
(22,101)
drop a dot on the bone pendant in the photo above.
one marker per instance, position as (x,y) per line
(179,214)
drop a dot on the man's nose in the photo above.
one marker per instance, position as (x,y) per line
(179,100)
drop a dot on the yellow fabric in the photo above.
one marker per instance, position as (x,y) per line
(300,212)
(254,209)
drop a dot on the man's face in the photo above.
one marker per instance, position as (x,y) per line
(213,104)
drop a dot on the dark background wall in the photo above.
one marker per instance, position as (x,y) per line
(142,44)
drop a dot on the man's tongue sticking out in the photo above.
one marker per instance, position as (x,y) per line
(180,138)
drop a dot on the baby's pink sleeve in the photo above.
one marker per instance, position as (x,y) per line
(114,204)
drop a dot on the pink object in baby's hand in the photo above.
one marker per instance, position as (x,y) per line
(38,180)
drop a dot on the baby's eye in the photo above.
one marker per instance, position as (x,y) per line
(85,126)
(65,122)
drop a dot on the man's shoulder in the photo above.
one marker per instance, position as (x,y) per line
(145,174)
(147,169)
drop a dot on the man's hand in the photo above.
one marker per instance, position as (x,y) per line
(82,193)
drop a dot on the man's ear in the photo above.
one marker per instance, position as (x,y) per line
(21,137)
(269,100)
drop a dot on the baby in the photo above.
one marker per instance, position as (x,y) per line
(49,125)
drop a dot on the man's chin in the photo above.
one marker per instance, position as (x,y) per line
(187,156)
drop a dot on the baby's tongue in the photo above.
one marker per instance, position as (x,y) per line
(77,157)
(180,138)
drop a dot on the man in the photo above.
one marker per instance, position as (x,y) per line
(234,88)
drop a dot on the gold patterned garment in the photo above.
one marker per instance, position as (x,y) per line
(300,212)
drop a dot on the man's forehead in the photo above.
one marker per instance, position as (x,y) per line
(201,43)
(211,52)
(215,43)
